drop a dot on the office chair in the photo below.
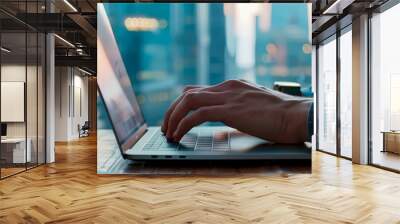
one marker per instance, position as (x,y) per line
(84,130)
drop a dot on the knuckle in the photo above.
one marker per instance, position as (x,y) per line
(189,98)
(186,88)
(231,83)
(234,83)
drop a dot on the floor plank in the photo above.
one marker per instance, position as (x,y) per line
(70,191)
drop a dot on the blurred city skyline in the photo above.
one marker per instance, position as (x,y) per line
(167,46)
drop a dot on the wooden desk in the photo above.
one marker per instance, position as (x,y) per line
(13,150)
(110,161)
(391,141)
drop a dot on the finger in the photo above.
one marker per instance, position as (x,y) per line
(204,114)
(226,86)
(164,126)
(190,87)
(221,87)
(191,101)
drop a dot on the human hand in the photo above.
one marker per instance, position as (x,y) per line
(254,110)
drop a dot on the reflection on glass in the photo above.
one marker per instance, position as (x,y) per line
(346,94)
(181,44)
(15,149)
(327,97)
(385,114)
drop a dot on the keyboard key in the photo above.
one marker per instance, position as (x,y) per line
(190,142)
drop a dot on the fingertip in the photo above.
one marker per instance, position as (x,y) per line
(177,138)
(175,135)
(169,133)
(170,140)
(163,129)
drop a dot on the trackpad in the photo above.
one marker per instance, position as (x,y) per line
(241,142)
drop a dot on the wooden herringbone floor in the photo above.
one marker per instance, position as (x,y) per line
(69,191)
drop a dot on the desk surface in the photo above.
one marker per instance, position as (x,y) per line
(13,140)
(391,132)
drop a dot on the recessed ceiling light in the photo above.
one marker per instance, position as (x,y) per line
(70,5)
(143,24)
(337,7)
(65,41)
(84,71)
(5,50)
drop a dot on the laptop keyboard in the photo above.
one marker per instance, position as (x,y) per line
(192,141)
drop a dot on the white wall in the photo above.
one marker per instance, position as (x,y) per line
(70,83)
(12,73)
(16,73)
(62,81)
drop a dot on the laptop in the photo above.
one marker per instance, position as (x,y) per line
(138,141)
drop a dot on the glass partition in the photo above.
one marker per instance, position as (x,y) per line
(14,153)
(346,93)
(385,89)
(22,90)
(327,96)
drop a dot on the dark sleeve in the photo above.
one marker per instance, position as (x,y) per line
(310,123)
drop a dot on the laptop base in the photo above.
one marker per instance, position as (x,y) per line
(241,147)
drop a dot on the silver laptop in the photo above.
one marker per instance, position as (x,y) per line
(137,141)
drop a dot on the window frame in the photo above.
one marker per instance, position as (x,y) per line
(335,36)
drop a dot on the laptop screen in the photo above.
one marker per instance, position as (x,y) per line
(115,86)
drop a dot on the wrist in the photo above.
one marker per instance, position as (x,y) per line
(296,121)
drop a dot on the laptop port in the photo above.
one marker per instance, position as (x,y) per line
(154,157)
(168,157)
(182,157)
